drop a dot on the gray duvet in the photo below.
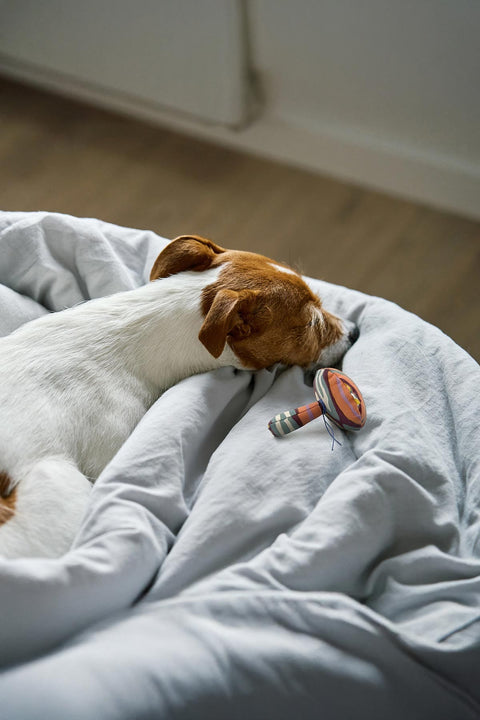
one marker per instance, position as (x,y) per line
(223,573)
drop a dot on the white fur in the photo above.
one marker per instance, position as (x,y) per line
(330,355)
(74,384)
(286,270)
(51,500)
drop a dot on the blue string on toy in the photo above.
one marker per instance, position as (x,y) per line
(328,427)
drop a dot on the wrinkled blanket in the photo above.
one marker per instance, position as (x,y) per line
(223,573)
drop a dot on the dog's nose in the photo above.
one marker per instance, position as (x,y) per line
(353,335)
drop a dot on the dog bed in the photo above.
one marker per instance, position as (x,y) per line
(223,573)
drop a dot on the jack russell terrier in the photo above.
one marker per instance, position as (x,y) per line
(74,384)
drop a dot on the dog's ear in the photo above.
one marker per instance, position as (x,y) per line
(187,252)
(235,314)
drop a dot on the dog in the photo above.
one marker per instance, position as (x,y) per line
(74,384)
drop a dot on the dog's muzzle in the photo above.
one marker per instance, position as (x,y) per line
(353,334)
(332,355)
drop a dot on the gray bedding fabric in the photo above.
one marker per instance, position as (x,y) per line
(223,573)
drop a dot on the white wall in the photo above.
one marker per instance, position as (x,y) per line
(385,93)
(404,73)
(182,55)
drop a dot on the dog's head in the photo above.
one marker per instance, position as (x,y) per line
(262,309)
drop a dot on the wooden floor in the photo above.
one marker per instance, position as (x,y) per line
(62,156)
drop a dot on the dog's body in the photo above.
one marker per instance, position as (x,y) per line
(74,384)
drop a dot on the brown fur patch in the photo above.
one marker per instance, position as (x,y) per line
(289,336)
(186,252)
(7,499)
(265,314)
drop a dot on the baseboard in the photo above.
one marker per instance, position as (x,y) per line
(429,178)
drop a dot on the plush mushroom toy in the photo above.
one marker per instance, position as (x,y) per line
(338,399)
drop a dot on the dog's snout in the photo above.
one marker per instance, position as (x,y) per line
(353,335)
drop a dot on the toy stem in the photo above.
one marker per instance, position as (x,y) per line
(291,420)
